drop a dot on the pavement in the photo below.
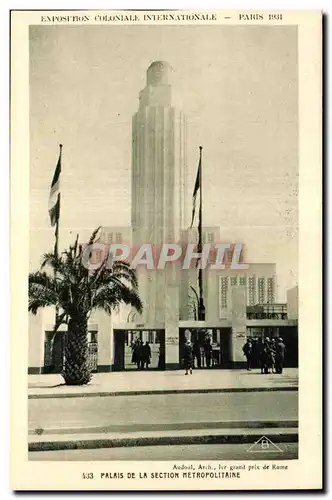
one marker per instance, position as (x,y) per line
(144,383)
(200,452)
(209,418)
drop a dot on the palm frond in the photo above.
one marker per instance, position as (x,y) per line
(52,260)
(42,291)
(93,235)
(76,290)
(111,294)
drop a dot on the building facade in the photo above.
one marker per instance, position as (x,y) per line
(169,296)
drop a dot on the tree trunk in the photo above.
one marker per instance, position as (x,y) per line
(77,371)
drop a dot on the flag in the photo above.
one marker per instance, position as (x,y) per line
(196,188)
(54,199)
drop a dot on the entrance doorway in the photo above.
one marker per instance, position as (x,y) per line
(289,334)
(211,346)
(130,353)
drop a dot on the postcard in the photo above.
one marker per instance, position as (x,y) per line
(166,248)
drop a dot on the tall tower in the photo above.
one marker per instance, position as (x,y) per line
(158,180)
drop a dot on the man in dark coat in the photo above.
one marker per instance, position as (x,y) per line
(161,360)
(267,355)
(280,355)
(197,353)
(255,353)
(134,352)
(273,354)
(260,354)
(188,357)
(247,351)
(146,354)
(137,356)
(208,351)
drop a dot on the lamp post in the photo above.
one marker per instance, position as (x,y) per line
(197,301)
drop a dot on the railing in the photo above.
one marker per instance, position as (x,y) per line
(93,356)
(267,316)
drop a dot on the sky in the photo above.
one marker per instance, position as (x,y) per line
(238,87)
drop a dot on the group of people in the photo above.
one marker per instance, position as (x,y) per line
(192,352)
(141,354)
(267,354)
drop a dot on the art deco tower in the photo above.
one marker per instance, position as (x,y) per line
(158,179)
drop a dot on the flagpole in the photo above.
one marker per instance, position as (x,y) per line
(201,307)
(56,244)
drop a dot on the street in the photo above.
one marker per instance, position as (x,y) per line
(191,452)
(149,412)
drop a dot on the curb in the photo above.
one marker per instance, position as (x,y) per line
(183,426)
(162,392)
(158,441)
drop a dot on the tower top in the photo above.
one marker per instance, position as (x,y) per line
(158,73)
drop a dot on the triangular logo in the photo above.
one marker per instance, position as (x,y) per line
(264,444)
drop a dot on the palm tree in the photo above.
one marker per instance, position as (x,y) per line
(75,290)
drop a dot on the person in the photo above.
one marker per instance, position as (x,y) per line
(273,355)
(216,355)
(268,355)
(280,355)
(146,355)
(141,355)
(208,351)
(197,354)
(255,353)
(260,354)
(188,357)
(137,357)
(134,352)
(247,351)
(265,357)
(161,360)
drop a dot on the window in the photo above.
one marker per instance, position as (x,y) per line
(150,336)
(210,238)
(261,290)
(271,290)
(242,280)
(110,238)
(118,238)
(233,280)
(252,290)
(223,292)
(93,337)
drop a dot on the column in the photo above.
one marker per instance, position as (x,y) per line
(105,340)
(239,319)
(172,301)
(36,344)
